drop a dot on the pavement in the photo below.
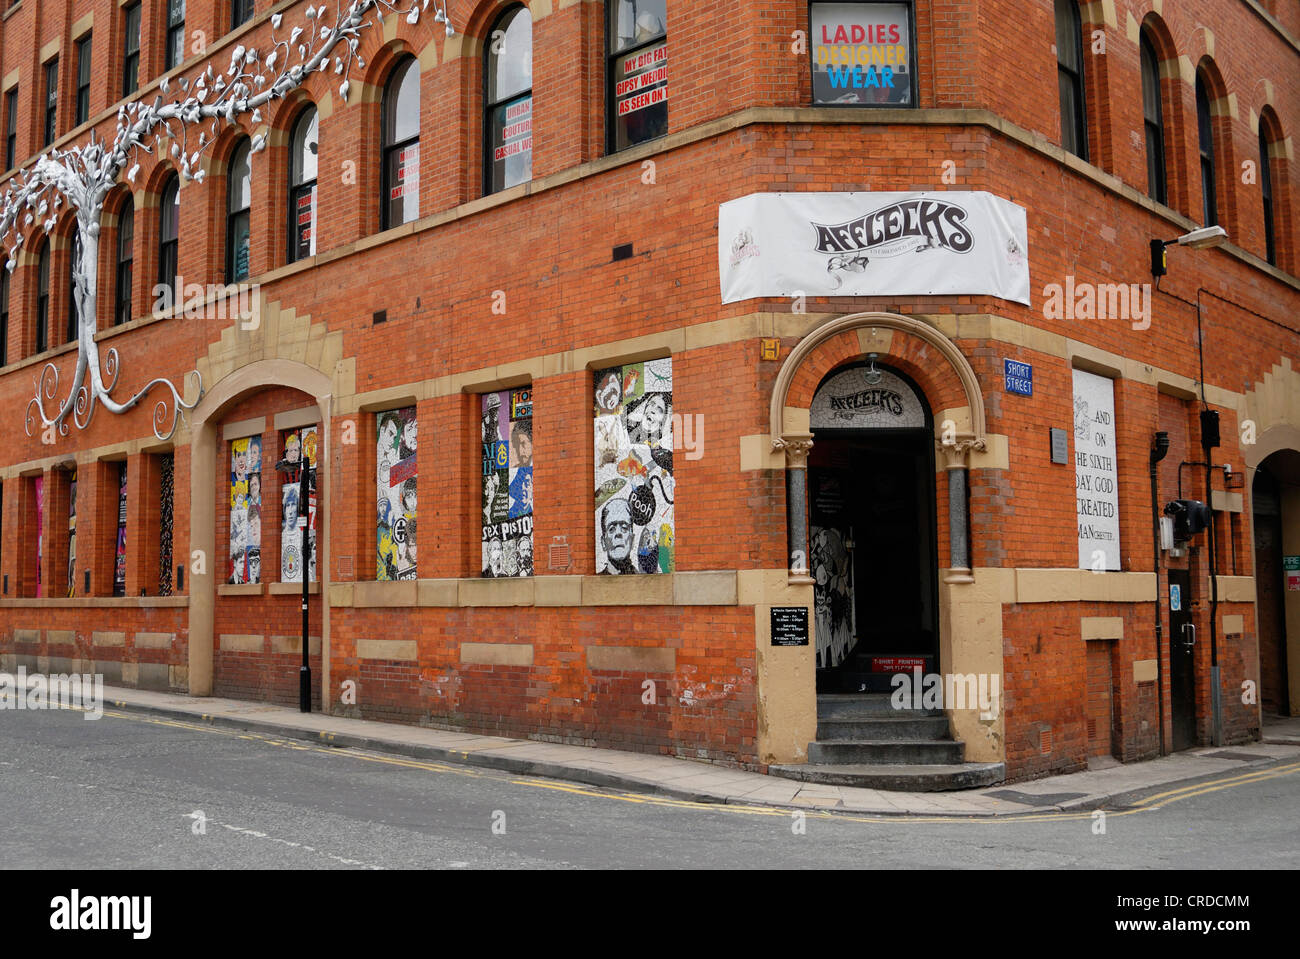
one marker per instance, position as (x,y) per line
(1106,783)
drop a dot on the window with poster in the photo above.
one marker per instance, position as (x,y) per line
(302,186)
(636,72)
(508,101)
(298,447)
(862,53)
(507,435)
(400,202)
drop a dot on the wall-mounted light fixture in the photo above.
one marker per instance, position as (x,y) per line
(1202,239)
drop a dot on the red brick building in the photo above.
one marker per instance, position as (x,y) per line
(641,433)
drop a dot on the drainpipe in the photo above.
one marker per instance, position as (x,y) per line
(1158,452)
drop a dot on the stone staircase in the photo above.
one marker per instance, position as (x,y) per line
(863,741)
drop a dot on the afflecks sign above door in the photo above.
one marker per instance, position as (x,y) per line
(872,244)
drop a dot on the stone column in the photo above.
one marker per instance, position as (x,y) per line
(796,447)
(956,462)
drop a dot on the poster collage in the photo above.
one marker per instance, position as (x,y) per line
(395,482)
(634,468)
(508,483)
(299,446)
(72,535)
(119,560)
(246,510)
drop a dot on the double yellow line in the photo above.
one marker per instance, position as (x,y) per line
(1149,804)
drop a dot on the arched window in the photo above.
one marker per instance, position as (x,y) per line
(508,102)
(302,186)
(1266,192)
(4,316)
(72,284)
(125,242)
(400,202)
(239,197)
(636,71)
(43,301)
(168,232)
(1154,121)
(1205,137)
(1069,73)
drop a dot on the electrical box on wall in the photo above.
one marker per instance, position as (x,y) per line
(1166,532)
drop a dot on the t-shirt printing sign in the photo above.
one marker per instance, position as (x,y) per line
(872,244)
(1095,472)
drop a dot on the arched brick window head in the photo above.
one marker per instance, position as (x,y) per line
(508,102)
(304,149)
(400,201)
(1069,72)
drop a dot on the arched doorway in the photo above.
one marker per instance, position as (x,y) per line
(1275,498)
(872,529)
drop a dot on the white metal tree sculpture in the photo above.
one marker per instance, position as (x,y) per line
(82,177)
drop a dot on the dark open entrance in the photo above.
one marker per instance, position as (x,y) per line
(1182,660)
(1275,573)
(871,490)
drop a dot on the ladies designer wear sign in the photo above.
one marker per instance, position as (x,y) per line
(870,244)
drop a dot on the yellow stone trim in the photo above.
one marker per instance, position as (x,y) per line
(81,25)
(1236,589)
(243,429)
(98,638)
(292,645)
(632,659)
(496,654)
(153,640)
(1101,627)
(241,643)
(1234,625)
(1145,670)
(47,51)
(399,650)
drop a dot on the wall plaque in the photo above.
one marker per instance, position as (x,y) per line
(789,625)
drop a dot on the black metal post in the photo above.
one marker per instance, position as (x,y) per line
(304,674)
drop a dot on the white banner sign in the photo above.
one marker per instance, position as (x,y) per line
(872,244)
(1096,474)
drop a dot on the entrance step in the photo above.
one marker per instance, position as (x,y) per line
(903,751)
(862,740)
(895,728)
(914,778)
(864,706)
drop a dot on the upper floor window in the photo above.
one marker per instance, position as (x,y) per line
(636,70)
(401,137)
(302,186)
(239,197)
(125,262)
(1069,74)
(1266,193)
(72,284)
(168,232)
(861,54)
(241,11)
(1154,122)
(508,104)
(130,49)
(11,128)
(43,301)
(1205,139)
(4,316)
(175,48)
(51,101)
(83,80)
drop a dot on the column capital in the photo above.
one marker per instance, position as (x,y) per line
(796,446)
(957,452)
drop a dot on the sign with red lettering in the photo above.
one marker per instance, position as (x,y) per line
(862,54)
(645,80)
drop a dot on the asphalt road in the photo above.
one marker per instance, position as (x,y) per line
(135,791)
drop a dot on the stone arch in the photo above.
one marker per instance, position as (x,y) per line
(853,336)
(205,445)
